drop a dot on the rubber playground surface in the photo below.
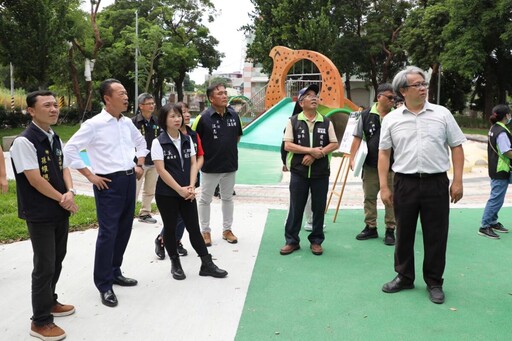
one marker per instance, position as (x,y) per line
(337,296)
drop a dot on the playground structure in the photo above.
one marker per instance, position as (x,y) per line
(265,132)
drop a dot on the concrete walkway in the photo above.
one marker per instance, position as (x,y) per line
(198,308)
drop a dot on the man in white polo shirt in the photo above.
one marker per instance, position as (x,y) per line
(421,136)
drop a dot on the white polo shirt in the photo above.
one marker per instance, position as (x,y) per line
(420,142)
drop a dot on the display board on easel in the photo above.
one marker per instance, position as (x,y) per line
(346,143)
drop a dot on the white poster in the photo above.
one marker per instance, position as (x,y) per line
(346,141)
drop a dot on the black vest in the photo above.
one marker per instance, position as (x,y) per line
(320,167)
(172,163)
(150,131)
(219,136)
(493,158)
(371,130)
(32,205)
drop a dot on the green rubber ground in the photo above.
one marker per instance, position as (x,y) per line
(337,296)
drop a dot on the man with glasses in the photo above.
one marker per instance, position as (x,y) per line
(368,128)
(147,124)
(309,139)
(420,135)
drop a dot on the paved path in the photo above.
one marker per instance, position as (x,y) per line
(160,307)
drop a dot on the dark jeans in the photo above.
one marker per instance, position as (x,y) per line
(180,229)
(299,190)
(114,208)
(429,199)
(172,207)
(49,243)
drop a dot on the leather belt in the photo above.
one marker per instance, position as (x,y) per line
(111,175)
(420,175)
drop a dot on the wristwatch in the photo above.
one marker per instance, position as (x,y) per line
(72,190)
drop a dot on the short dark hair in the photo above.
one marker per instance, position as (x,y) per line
(106,88)
(164,112)
(499,112)
(32,97)
(213,87)
(182,105)
(384,87)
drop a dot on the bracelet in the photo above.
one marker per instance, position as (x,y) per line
(140,166)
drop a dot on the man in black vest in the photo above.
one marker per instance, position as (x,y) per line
(45,200)
(309,138)
(368,128)
(147,124)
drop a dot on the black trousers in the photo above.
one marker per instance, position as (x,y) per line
(429,199)
(49,243)
(170,207)
(299,191)
(114,209)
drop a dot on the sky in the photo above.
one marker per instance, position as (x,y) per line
(232,15)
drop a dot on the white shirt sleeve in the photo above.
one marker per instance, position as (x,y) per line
(385,135)
(192,148)
(24,155)
(503,142)
(78,142)
(157,153)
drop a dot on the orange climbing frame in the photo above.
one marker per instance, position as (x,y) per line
(332,93)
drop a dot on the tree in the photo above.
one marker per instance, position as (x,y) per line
(361,35)
(479,47)
(33,35)
(172,40)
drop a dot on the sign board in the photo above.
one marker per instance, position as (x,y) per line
(346,141)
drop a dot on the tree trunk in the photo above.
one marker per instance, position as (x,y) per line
(74,79)
(432,90)
(348,89)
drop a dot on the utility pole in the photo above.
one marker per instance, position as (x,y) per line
(12,87)
(136,62)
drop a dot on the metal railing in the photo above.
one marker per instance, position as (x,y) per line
(249,111)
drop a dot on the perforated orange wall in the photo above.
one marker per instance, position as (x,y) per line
(332,93)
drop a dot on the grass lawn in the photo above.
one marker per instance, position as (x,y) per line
(64,131)
(14,229)
(475,131)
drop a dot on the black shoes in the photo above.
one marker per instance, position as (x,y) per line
(159,247)
(108,298)
(181,250)
(208,268)
(367,233)
(436,294)
(396,285)
(499,228)
(124,281)
(488,232)
(176,269)
(389,237)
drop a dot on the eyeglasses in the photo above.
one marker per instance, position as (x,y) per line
(150,103)
(417,85)
(390,97)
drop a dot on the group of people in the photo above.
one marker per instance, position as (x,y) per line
(117,147)
(408,159)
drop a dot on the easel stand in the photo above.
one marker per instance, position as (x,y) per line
(344,167)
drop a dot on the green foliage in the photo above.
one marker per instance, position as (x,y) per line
(33,35)
(172,42)
(359,36)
